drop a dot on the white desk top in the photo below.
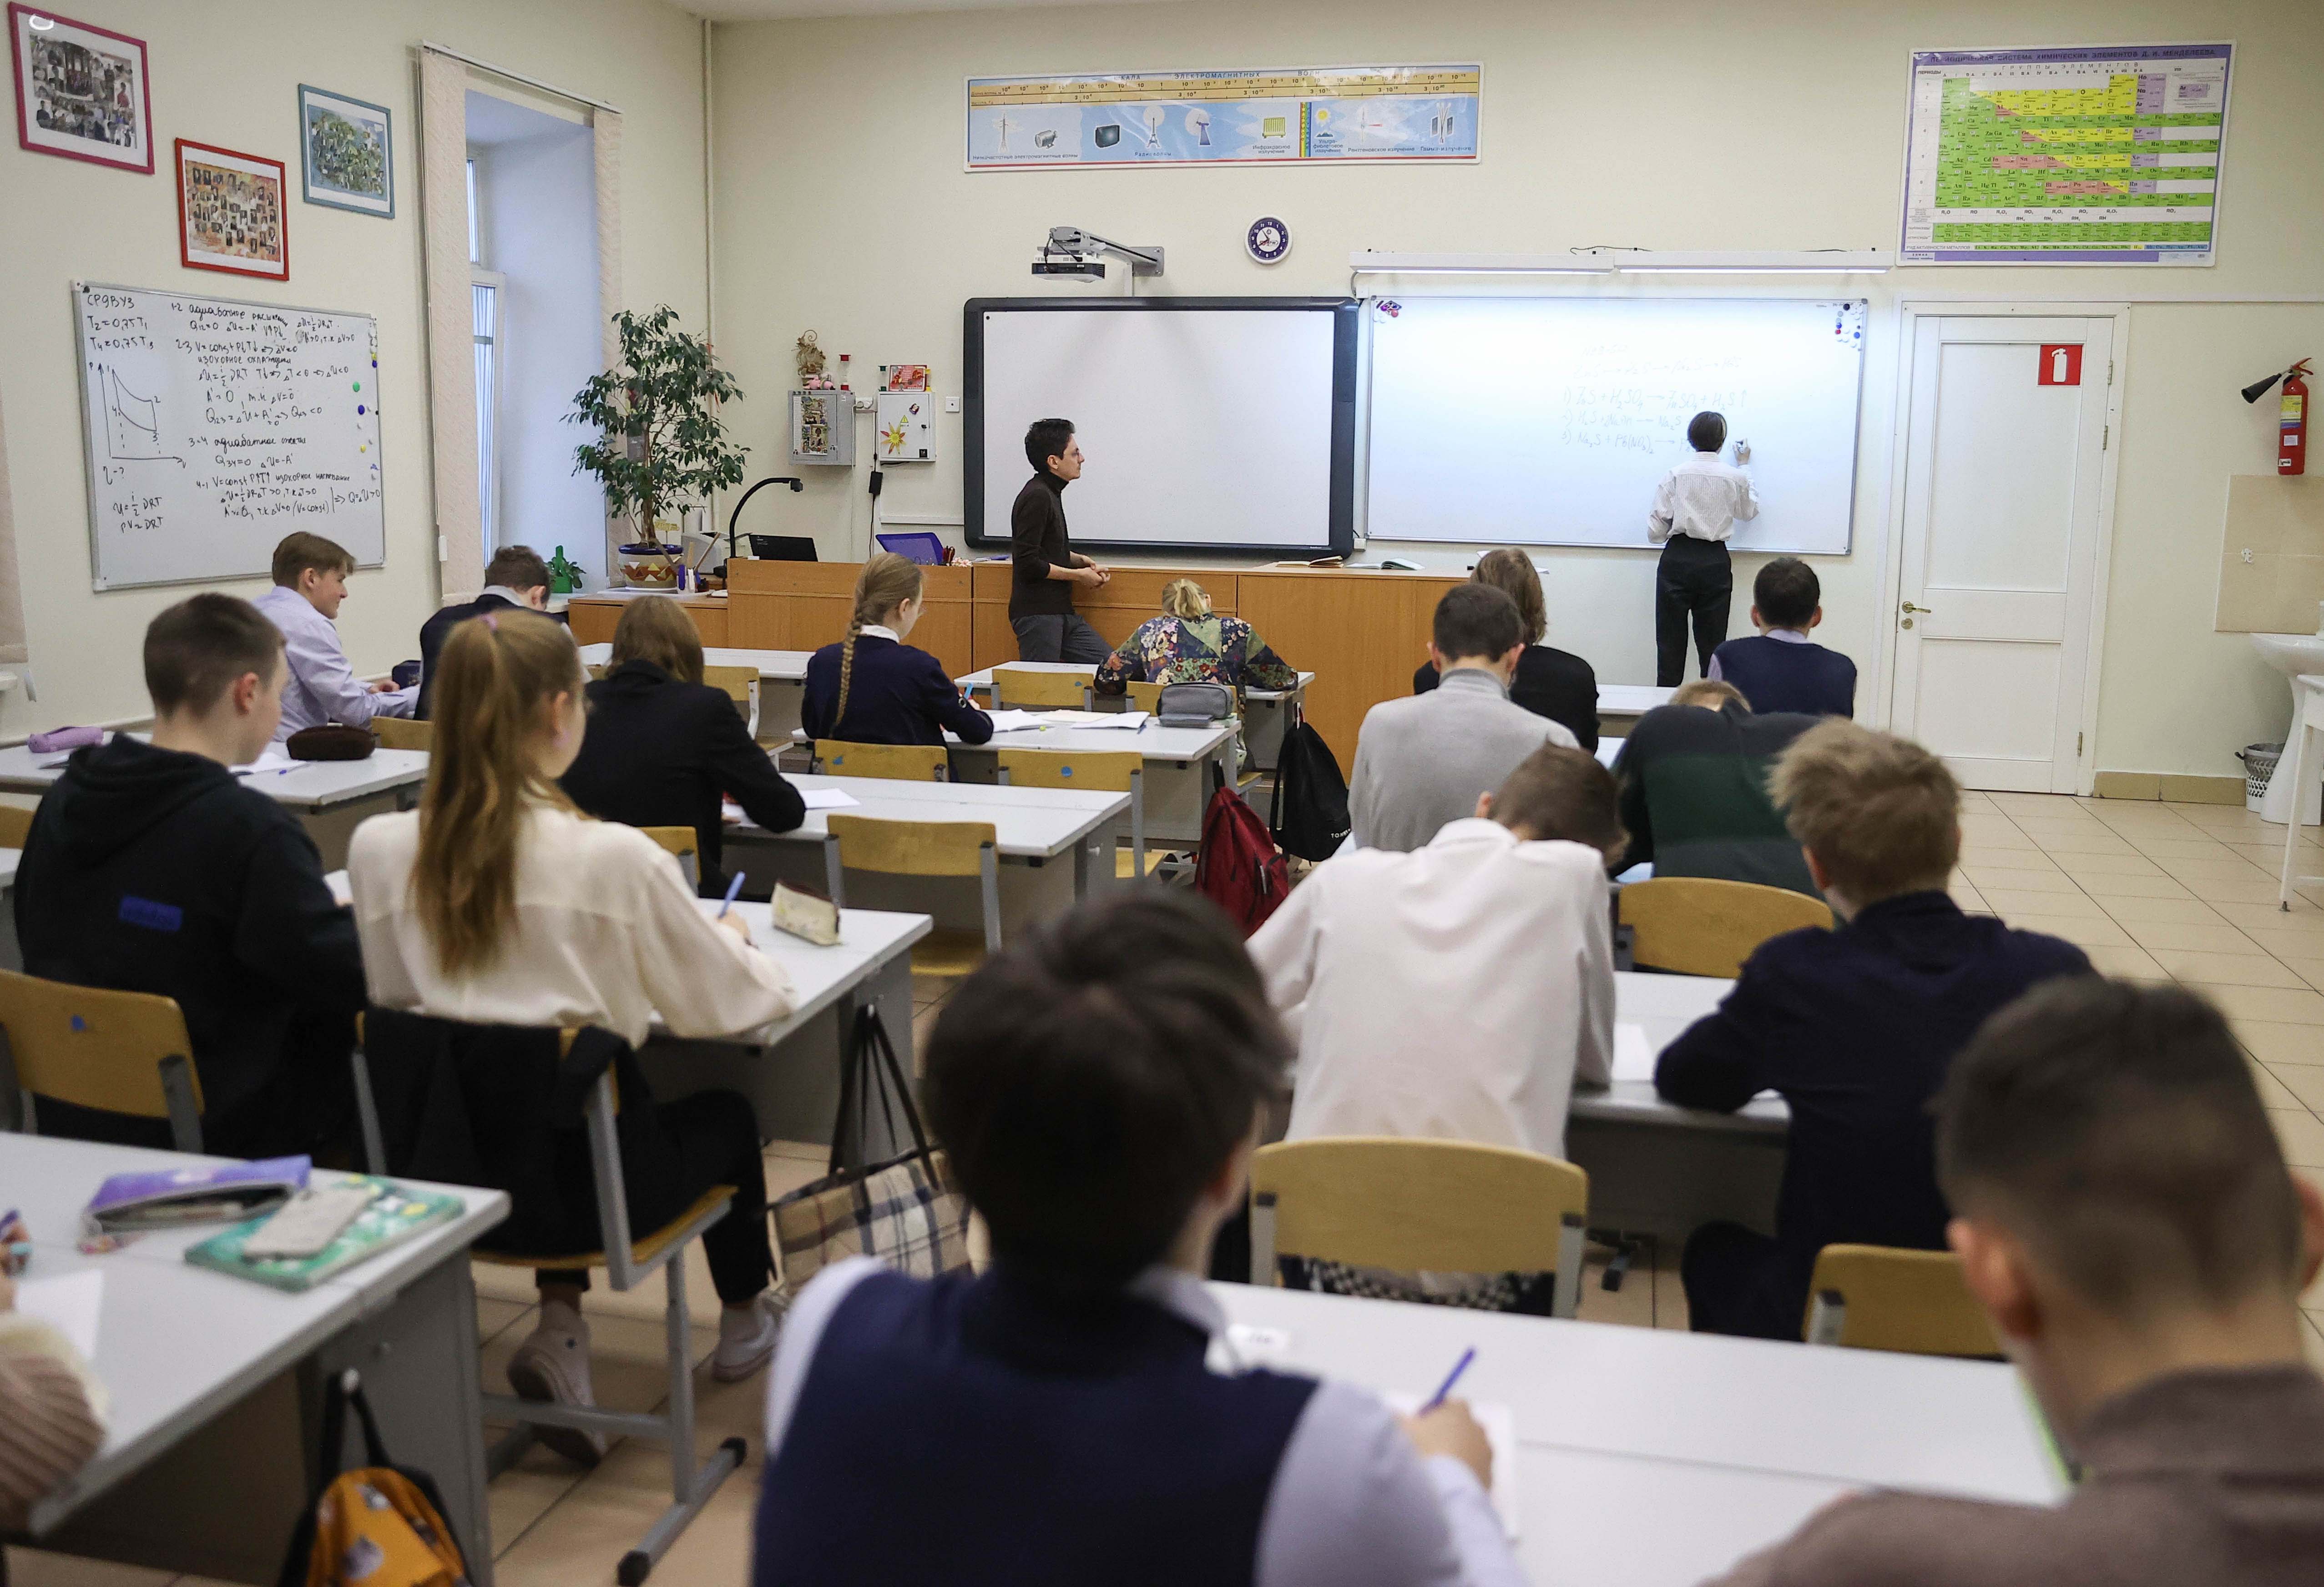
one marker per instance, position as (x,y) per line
(177,1343)
(311,784)
(787,666)
(1664,1005)
(8,861)
(1152,741)
(1664,1455)
(868,939)
(1029,823)
(981,680)
(1629,699)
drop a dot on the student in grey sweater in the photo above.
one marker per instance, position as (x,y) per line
(1422,761)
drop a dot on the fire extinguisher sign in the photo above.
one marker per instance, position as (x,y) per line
(2061,365)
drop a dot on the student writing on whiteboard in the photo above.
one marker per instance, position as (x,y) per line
(1696,507)
(311,581)
(1048,567)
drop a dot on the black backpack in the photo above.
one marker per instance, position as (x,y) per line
(1309,812)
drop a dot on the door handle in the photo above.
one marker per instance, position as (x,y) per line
(1923,610)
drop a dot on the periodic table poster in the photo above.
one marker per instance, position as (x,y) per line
(2097,155)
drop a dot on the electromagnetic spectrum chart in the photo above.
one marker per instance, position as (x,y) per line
(2099,155)
(1365,113)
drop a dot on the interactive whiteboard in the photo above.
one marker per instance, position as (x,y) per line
(1538,421)
(213,429)
(1210,423)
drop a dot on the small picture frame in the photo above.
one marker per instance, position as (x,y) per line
(81,91)
(347,152)
(230,214)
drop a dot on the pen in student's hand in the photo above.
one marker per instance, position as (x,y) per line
(1451,1378)
(732,887)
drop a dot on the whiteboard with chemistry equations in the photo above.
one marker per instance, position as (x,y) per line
(1535,421)
(214,428)
(1209,424)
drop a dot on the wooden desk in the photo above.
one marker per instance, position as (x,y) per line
(593,618)
(805,605)
(1266,713)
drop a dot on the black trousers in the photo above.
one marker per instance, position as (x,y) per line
(1696,580)
(710,1138)
(1065,637)
(1739,1282)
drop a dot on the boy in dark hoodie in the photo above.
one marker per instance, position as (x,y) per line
(151,867)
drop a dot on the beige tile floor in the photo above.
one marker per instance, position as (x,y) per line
(2151,892)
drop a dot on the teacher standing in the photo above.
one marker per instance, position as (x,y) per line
(1695,510)
(1048,568)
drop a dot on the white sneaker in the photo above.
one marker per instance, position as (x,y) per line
(553,1367)
(746,1338)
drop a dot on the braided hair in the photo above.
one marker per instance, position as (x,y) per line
(886,582)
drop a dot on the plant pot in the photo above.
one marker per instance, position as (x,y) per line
(648,567)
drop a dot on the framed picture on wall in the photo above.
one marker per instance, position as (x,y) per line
(230,212)
(80,90)
(347,153)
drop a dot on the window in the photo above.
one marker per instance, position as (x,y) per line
(486,291)
(475,231)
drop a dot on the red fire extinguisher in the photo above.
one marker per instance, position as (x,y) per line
(2292,445)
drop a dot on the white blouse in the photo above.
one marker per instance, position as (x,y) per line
(607,934)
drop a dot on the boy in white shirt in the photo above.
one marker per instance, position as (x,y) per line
(1696,508)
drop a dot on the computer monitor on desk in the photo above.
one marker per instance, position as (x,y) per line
(783,547)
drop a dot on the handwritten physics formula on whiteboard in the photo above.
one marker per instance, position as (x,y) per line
(214,428)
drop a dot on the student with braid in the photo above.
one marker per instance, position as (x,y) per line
(872,688)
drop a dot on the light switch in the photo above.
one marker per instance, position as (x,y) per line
(952,405)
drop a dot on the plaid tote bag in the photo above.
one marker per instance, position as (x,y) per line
(907,1211)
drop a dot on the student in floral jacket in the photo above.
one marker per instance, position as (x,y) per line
(1189,644)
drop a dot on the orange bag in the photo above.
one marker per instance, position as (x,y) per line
(379,1526)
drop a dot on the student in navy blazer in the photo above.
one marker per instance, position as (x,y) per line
(1856,1028)
(872,688)
(1781,668)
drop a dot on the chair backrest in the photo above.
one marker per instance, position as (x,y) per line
(1695,926)
(740,684)
(1146,697)
(1879,1297)
(682,842)
(1016,688)
(15,826)
(123,1052)
(911,848)
(1416,1205)
(395,732)
(905,763)
(1108,771)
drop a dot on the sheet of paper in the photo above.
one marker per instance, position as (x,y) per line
(827,799)
(1130,719)
(1500,1426)
(70,1303)
(343,890)
(1633,1055)
(1010,721)
(274,760)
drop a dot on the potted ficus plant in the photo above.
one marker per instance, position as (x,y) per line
(659,446)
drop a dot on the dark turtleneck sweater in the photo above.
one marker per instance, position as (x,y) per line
(1037,542)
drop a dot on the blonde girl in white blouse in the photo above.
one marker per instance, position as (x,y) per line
(497,902)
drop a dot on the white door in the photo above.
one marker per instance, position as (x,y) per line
(2003,476)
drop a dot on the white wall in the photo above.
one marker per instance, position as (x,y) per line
(1691,124)
(227,72)
(539,187)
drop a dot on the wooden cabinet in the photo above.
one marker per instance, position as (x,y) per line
(594,621)
(805,605)
(1360,633)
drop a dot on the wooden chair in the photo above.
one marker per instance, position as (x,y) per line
(1017,688)
(1111,771)
(902,763)
(1145,697)
(1448,1206)
(16,825)
(122,1052)
(927,848)
(741,684)
(396,732)
(1877,1297)
(682,842)
(1694,926)
(629,1260)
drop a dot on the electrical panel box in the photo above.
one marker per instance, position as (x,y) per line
(907,432)
(822,428)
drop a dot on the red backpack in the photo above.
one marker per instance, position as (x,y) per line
(1240,870)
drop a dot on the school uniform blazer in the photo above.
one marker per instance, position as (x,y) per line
(438,628)
(1552,682)
(660,753)
(1455,993)
(897,695)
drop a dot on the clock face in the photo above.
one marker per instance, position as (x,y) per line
(1269,240)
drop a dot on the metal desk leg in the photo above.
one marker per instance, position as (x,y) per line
(1082,858)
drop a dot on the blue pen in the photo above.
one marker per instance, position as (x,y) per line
(732,887)
(1451,1378)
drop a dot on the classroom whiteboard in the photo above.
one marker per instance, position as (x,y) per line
(1210,424)
(1537,421)
(213,429)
